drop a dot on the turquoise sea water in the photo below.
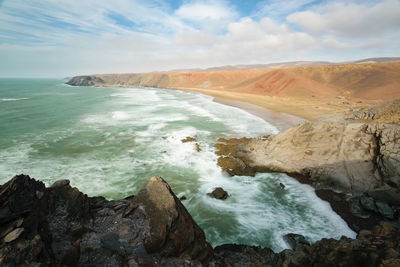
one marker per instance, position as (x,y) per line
(110,141)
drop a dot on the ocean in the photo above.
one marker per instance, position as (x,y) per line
(110,141)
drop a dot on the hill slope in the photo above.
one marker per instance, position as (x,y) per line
(371,81)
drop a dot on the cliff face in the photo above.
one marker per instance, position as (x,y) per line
(373,81)
(354,155)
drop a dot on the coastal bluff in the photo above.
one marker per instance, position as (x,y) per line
(61,226)
(354,154)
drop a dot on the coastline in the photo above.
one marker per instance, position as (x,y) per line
(289,109)
(280,120)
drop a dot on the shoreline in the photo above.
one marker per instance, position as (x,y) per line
(282,121)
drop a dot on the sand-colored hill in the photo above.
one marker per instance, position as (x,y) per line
(308,92)
(372,81)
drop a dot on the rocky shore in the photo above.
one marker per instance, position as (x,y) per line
(60,226)
(352,161)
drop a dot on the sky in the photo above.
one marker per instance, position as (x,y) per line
(63,38)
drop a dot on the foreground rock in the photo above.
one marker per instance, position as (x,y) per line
(60,226)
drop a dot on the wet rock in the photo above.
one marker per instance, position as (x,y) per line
(188,139)
(219,193)
(282,185)
(234,166)
(295,241)
(197,147)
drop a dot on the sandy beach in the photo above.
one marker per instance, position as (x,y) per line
(285,112)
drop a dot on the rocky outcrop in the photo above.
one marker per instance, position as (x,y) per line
(352,157)
(379,247)
(86,81)
(60,226)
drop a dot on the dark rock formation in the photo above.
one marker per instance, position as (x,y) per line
(219,193)
(85,81)
(59,226)
(295,241)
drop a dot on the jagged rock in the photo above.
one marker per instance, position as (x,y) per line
(295,241)
(219,193)
(172,229)
(65,227)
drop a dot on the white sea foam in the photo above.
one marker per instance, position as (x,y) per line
(13,99)
(119,115)
(137,133)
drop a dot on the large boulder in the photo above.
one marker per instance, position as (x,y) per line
(172,230)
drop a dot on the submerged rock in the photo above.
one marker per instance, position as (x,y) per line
(188,139)
(219,193)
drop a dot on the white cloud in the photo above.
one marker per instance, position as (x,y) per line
(67,37)
(350,19)
(209,15)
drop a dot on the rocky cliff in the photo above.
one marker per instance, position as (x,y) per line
(354,155)
(60,226)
